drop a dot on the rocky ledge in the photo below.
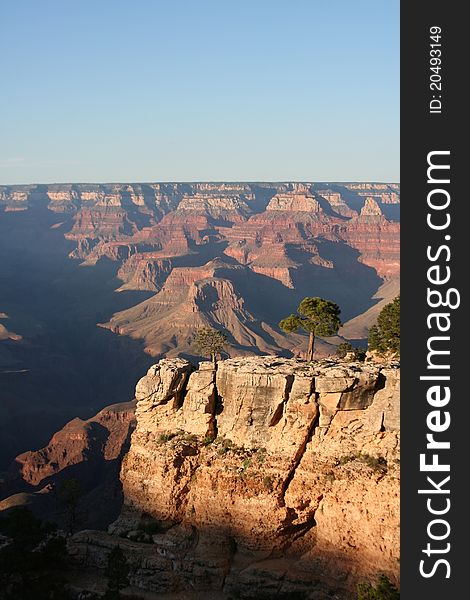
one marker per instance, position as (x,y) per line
(264,478)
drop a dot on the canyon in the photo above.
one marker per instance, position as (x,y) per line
(269,473)
(99,280)
(254,478)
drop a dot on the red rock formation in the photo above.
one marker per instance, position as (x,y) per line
(89,451)
(104,436)
(297,201)
(193,297)
(337,203)
(376,238)
(5,334)
(108,221)
(309,238)
(145,271)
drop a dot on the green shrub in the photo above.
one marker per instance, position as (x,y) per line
(227,445)
(189,437)
(117,571)
(378,463)
(343,349)
(359,354)
(330,476)
(163,438)
(268,483)
(383,590)
(261,455)
(150,527)
(246,463)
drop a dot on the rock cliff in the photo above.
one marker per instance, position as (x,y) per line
(263,478)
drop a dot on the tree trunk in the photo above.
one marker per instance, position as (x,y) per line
(214,359)
(311,342)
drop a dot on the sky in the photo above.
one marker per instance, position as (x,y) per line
(199,90)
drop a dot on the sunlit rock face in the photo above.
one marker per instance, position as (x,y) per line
(264,473)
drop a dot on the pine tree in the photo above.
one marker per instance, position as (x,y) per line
(343,349)
(117,572)
(316,316)
(385,335)
(69,493)
(209,342)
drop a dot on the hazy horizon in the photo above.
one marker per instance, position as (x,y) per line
(214,181)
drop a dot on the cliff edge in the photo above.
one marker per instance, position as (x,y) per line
(264,478)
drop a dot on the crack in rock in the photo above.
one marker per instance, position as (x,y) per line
(297,458)
(277,416)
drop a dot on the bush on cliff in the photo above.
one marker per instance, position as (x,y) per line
(345,348)
(69,494)
(383,590)
(32,559)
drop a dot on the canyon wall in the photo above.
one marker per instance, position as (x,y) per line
(270,240)
(88,451)
(265,478)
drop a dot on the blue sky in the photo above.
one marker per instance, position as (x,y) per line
(191,90)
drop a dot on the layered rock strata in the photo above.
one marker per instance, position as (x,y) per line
(104,436)
(264,478)
(89,451)
(277,240)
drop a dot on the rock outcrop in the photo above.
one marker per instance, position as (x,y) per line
(4,333)
(89,451)
(105,436)
(263,478)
